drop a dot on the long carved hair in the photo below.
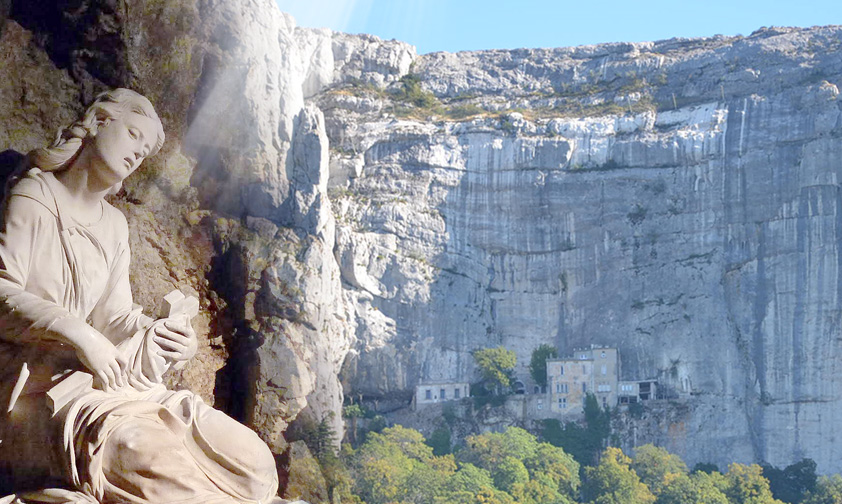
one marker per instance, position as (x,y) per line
(70,140)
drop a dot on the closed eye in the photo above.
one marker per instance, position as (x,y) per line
(133,133)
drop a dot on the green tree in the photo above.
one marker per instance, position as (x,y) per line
(652,464)
(793,482)
(489,449)
(508,472)
(354,412)
(325,441)
(552,464)
(470,479)
(538,363)
(543,473)
(613,481)
(707,467)
(698,488)
(828,490)
(573,438)
(583,443)
(391,465)
(319,436)
(597,419)
(338,477)
(439,441)
(495,365)
(746,485)
(538,491)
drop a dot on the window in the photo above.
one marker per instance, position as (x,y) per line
(584,387)
(456,392)
(604,402)
(584,369)
(604,369)
(442,394)
(540,405)
(562,402)
(583,356)
(561,368)
(602,355)
(428,394)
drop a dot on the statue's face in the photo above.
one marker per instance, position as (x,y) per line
(121,145)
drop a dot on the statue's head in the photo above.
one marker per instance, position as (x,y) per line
(108,106)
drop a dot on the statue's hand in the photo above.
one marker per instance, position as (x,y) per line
(177,340)
(101,357)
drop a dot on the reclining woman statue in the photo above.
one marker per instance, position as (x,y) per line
(88,419)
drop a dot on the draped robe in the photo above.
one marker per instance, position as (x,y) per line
(138,444)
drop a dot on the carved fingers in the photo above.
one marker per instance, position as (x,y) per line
(101,357)
(113,372)
(177,340)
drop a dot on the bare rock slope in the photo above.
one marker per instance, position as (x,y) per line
(678,200)
(341,203)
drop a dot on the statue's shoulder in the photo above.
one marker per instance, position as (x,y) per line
(33,185)
(117,220)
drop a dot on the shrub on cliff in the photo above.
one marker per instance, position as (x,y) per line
(538,363)
(495,367)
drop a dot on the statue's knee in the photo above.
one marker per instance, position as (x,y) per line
(243,447)
(138,444)
(238,441)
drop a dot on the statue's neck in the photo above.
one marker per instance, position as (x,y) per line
(85,191)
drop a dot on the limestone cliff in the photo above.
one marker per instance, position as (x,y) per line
(339,202)
(678,200)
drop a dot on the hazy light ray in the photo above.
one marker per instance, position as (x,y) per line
(338,15)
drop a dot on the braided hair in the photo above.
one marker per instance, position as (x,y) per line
(107,106)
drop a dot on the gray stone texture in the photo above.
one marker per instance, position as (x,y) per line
(695,226)
(676,199)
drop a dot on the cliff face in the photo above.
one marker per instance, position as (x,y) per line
(234,209)
(677,199)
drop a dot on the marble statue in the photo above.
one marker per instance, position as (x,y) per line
(85,417)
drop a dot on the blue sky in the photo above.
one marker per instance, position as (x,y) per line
(454,25)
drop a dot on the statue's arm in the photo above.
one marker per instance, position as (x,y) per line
(26,317)
(116,315)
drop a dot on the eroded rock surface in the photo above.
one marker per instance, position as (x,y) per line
(338,202)
(678,200)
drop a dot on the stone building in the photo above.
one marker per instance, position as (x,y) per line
(429,393)
(630,392)
(594,370)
